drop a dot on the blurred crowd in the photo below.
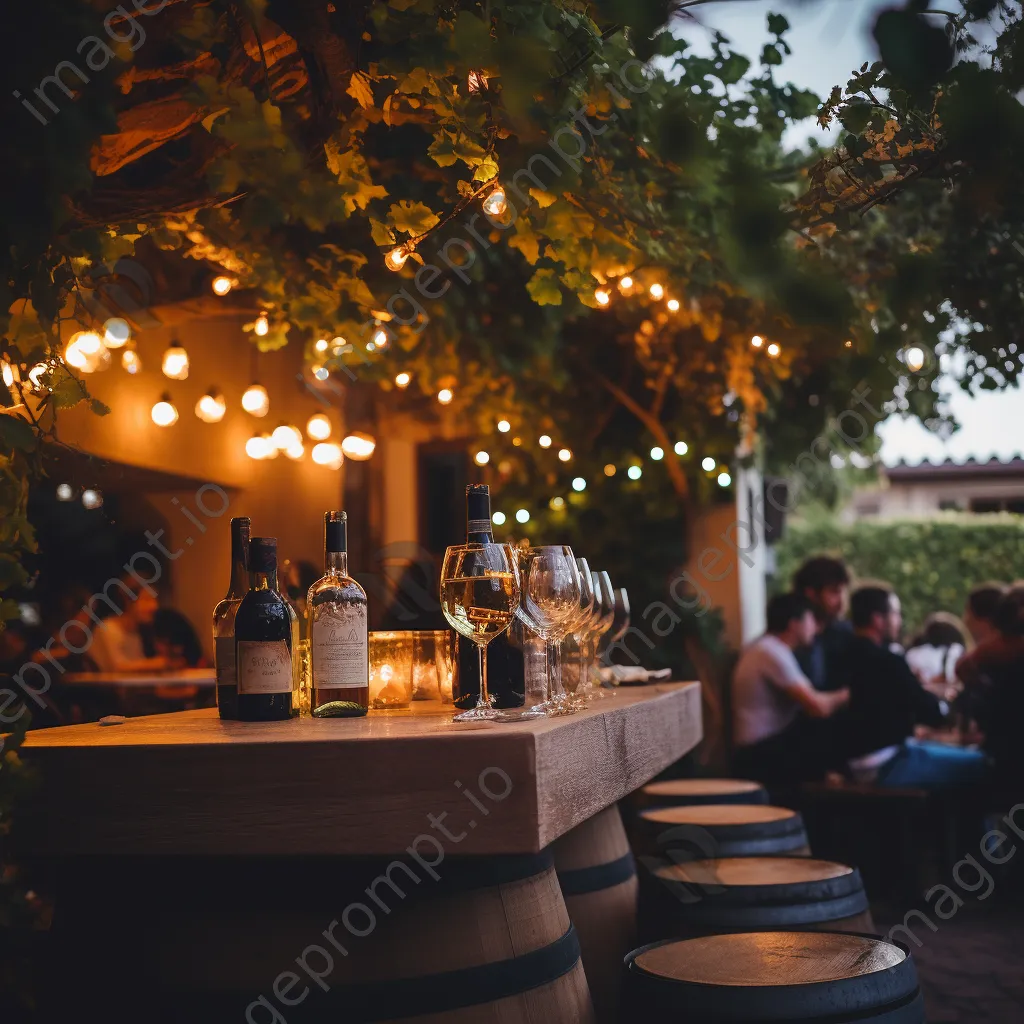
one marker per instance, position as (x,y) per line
(830,690)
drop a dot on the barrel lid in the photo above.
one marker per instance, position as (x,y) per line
(701,787)
(757,872)
(719,814)
(774,976)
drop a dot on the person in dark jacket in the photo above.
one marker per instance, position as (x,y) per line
(887,701)
(824,582)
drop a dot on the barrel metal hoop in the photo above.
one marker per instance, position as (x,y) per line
(601,876)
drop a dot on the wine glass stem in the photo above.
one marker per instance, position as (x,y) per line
(554,671)
(484,701)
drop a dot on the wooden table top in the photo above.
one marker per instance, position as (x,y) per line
(191,783)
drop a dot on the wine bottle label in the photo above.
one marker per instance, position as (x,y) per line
(264,666)
(224,659)
(339,648)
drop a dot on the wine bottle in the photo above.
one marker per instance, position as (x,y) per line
(506,676)
(263,640)
(336,614)
(224,620)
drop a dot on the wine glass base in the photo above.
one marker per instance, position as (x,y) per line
(554,707)
(481,713)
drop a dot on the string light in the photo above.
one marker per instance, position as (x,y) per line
(321,345)
(321,372)
(328,454)
(395,259)
(358,446)
(848,344)
(516,442)
(773,350)
(498,519)
(601,297)
(261,325)
(8,373)
(657,454)
(85,351)
(724,479)
(657,291)
(318,427)
(565,454)
(163,412)
(579,484)
(504,426)
(286,436)
(522,516)
(476,81)
(634,472)
(380,338)
(673,305)
(757,341)
(707,464)
(91,498)
(403,379)
(445,396)
(35,375)
(131,362)
(296,450)
(544,441)
(211,407)
(557,504)
(681,448)
(914,358)
(116,332)
(481,458)
(221,285)
(65,492)
(259,447)
(175,363)
(626,283)
(496,202)
(255,400)
(609,470)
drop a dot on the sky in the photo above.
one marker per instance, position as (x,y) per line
(830,39)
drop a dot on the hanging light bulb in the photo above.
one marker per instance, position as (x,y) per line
(286,436)
(634,472)
(724,479)
(261,325)
(175,363)
(221,284)
(564,454)
(380,338)
(625,283)
(35,375)
(321,372)
(681,448)
(914,358)
(773,350)
(522,515)
(131,362)
(481,458)
(257,447)
(707,464)
(85,352)
(358,446)
(601,297)
(609,469)
(92,498)
(65,492)
(657,454)
(255,400)
(498,519)
(211,407)
(116,332)
(163,413)
(757,341)
(496,202)
(544,441)
(504,426)
(445,395)
(395,259)
(296,450)
(673,305)
(322,345)
(657,291)
(318,428)
(403,379)
(557,504)
(328,454)
(579,484)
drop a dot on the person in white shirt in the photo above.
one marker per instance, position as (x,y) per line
(772,699)
(117,640)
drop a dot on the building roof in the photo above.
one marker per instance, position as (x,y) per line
(953,468)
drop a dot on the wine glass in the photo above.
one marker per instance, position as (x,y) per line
(480,592)
(601,621)
(620,620)
(583,691)
(549,606)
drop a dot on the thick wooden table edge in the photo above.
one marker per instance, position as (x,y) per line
(309,790)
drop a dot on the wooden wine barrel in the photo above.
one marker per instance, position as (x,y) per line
(679,792)
(485,941)
(763,977)
(754,894)
(597,873)
(722,830)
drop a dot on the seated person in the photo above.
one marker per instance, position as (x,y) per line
(887,701)
(771,697)
(117,642)
(824,582)
(175,639)
(934,653)
(999,637)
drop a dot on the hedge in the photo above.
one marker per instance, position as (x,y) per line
(932,564)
